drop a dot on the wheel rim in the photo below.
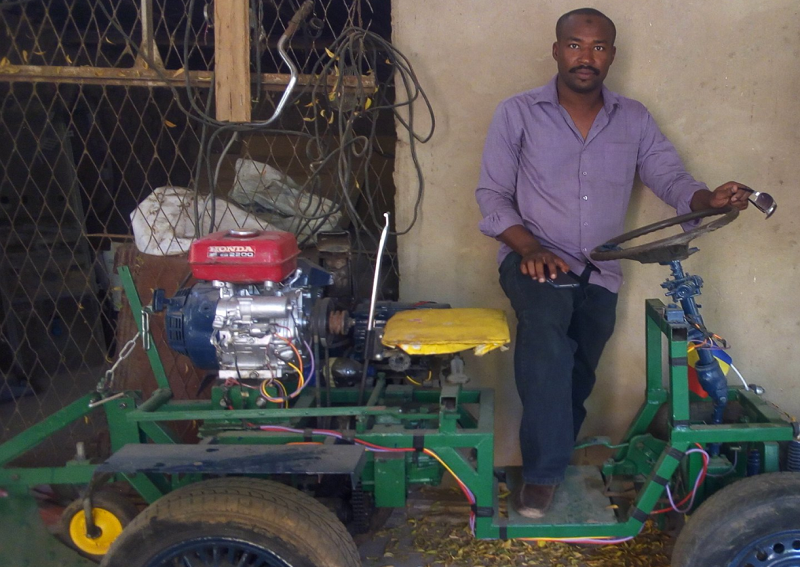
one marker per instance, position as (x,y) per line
(109,525)
(219,552)
(775,550)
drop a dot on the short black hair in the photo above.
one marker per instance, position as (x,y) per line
(585,12)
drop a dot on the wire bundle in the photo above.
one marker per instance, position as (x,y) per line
(338,128)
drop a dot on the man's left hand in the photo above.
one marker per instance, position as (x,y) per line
(731,193)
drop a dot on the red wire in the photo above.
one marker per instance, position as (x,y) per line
(688,496)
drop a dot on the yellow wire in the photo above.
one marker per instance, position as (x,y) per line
(285,393)
(296,352)
(300,382)
(441,462)
(410,379)
(267,396)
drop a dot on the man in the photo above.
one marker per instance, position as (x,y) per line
(556,178)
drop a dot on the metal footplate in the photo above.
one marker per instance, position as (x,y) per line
(237,459)
(578,500)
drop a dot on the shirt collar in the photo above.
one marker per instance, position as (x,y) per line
(549,93)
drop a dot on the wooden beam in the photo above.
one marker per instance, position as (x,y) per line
(232,60)
(137,77)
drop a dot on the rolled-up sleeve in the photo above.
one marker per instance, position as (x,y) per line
(661,168)
(498,179)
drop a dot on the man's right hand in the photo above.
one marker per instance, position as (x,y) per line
(542,264)
(537,262)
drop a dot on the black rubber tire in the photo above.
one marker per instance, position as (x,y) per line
(117,504)
(739,516)
(267,515)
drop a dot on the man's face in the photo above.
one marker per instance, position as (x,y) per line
(584,52)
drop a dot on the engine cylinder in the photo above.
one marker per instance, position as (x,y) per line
(252,308)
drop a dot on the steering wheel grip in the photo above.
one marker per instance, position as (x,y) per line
(668,249)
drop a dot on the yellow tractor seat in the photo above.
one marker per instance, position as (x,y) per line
(447,331)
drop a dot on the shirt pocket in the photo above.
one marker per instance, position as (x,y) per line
(619,163)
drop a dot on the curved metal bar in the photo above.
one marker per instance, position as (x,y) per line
(290,30)
(667,249)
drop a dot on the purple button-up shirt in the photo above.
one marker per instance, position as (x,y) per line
(572,194)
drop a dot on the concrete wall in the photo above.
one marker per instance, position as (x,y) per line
(721,77)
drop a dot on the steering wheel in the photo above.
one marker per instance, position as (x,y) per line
(667,249)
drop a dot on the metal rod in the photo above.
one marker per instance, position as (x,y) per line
(370,334)
(295,22)
(377,275)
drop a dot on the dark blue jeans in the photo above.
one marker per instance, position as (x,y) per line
(561,334)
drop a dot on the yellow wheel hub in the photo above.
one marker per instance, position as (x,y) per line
(109,525)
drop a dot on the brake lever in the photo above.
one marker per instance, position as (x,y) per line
(762,201)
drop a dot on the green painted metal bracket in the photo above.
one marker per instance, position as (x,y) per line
(136,308)
(390,480)
(771,458)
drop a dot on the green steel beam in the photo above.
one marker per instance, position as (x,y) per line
(158,433)
(758,406)
(653,317)
(136,309)
(145,486)
(37,433)
(70,474)
(122,430)
(158,399)
(732,433)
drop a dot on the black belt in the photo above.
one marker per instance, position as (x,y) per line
(583,279)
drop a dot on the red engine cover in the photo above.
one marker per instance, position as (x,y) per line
(244,256)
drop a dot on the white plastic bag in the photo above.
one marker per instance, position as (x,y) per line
(276,198)
(163,224)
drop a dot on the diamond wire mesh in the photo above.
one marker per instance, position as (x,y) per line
(79,154)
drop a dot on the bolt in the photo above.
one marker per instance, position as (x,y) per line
(123,405)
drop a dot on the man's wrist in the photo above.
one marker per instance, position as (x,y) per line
(701,200)
(527,250)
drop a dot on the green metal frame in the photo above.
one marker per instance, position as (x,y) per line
(455,424)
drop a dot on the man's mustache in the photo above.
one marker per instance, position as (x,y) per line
(586,67)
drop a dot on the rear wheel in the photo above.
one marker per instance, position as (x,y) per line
(752,523)
(239,522)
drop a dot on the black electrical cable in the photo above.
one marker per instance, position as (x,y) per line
(356,52)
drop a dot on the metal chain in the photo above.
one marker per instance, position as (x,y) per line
(125,352)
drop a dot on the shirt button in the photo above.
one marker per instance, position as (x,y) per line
(585,197)
(584,173)
(586,224)
(584,249)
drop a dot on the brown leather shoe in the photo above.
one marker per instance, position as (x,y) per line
(533,500)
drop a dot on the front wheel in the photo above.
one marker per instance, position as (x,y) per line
(231,522)
(754,522)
